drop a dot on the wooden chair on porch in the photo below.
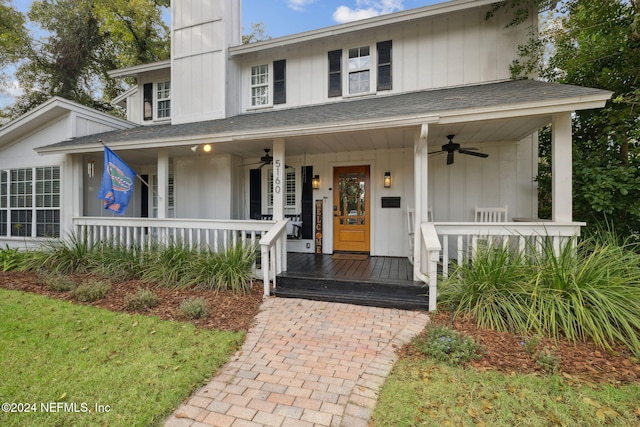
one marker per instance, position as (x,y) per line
(411,221)
(496,214)
(491,214)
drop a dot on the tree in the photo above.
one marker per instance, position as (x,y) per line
(12,34)
(258,33)
(595,43)
(84,39)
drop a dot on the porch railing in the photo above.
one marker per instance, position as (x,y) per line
(217,235)
(456,243)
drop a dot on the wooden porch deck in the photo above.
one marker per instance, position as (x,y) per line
(370,280)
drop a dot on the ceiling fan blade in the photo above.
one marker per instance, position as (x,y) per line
(251,164)
(473,153)
(435,153)
(450,158)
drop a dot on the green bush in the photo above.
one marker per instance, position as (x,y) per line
(548,360)
(588,292)
(446,345)
(71,255)
(91,290)
(194,308)
(141,300)
(58,282)
(234,268)
(10,259)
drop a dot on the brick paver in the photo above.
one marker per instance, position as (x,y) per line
(304,363)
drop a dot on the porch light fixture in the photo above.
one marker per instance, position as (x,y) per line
(315,182)
(387,180)
(206,148)
(91,168)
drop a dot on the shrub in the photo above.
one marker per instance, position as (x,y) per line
(91,290)
(10,259)
(71,255)
(58,282)
(446,345)
(169,266)
(119,261)
(234,268)
(141,300)
(194,308)
(548,360)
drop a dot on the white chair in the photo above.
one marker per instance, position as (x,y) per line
(488,215)
(491,214)
(411,222)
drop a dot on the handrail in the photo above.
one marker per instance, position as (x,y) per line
(432,248)
(273,252)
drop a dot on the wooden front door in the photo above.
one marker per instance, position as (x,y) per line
(351,213)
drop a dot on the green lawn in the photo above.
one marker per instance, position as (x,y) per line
(427,393)
(74,359)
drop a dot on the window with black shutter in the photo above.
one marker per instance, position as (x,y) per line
(335,75)
(384,65)
(279,82)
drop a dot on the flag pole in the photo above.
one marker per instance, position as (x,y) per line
(138,175)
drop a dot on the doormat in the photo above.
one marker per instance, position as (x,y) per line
(355,257)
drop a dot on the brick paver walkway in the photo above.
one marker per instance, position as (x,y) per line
(304,363)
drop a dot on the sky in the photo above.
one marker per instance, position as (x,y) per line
(280,18)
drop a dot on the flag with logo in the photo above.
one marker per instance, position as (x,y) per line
(117,183)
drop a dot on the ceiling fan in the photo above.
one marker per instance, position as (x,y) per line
(451,147)
(265,160)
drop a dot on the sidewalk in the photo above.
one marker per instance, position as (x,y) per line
(304,363)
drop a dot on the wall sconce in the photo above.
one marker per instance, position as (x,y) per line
(206,148)
(91,168)
(315,182)
(387,180)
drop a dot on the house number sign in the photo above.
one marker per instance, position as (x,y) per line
(277,184)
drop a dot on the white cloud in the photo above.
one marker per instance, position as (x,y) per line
(298,5)
(366,9)
(9,91)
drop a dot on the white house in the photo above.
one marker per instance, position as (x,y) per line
(331,136)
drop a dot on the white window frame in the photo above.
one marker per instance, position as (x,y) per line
(357,66)
(255,84)
(171,199)
(40,196)
(162,95)
(291,197)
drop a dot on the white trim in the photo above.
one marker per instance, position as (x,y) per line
(139,69)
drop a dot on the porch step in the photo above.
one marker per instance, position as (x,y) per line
(368,292)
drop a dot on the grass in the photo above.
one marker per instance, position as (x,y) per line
(140,366)
(427,393)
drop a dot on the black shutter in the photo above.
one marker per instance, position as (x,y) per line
(384,65)
(147,107)
(307,203)
(144,198)
(255,193)
(335,75)
(279,82)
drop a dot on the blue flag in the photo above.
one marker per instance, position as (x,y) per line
(117,183)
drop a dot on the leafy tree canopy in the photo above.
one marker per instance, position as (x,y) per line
(593,43)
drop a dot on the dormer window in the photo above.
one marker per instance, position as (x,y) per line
(157,101)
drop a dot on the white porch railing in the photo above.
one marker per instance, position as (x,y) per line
(194,233)
(456,243)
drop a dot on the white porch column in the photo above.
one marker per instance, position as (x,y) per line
(72,191)
(421,183)
(163,182)
(278,198)
(561,168)
(278,179)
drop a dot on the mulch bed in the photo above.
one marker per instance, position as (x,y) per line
(579,362)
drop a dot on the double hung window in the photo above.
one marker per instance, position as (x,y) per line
(289,191)
(365,69)
(157,101)
(30,202)
(262,87)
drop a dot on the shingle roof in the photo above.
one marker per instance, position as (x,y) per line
(429,102)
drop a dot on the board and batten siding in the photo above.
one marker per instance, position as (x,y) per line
(454,49)
(201,74)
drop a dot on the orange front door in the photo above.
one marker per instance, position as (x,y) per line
(351,213)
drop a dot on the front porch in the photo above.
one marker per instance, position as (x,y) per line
(365,280)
